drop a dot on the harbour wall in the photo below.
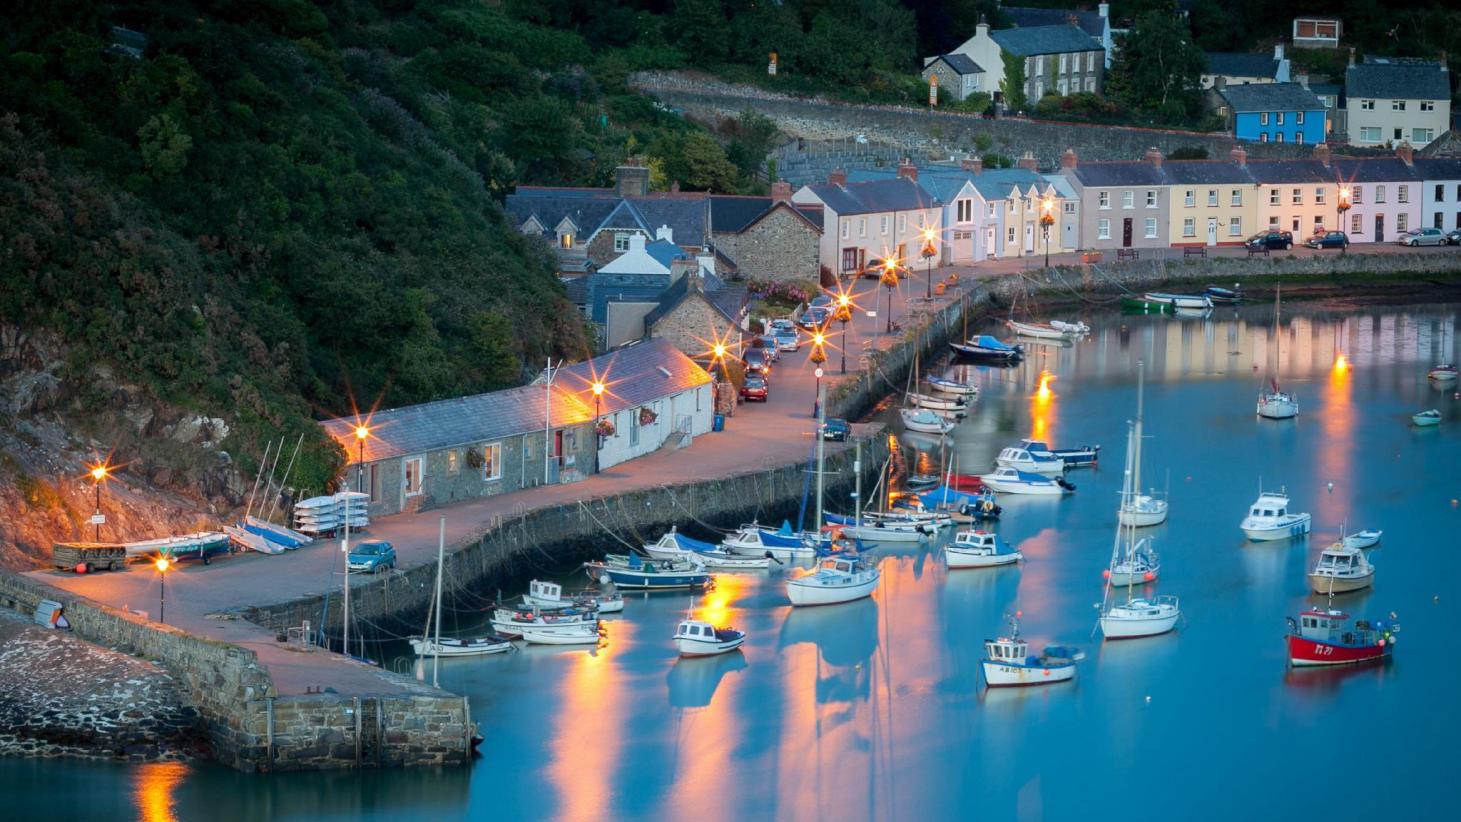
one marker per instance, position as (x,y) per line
(246,725)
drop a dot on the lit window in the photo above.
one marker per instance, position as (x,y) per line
(492,461)
(453,458)
(567,239)
(1103,229)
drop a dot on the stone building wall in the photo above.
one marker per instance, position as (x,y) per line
(691,324)
(781,246)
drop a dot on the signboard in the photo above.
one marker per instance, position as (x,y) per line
(818,372)
(771,66)
(98,519)
(932,90)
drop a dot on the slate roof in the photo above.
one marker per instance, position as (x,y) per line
(944,184)
(959,62)
(1090,22)
(587,207)
(1241,64)
(1438,168)
(1025,42)
(432,426)
(731,214)
(576,289)
(1375,170)
(1204,172)
(813,213)
(1120,173)
(1397,81)
(1271,97)
(1330,89)
(1292,171)
(873,196)
(622,288)
(726,299)
(632,376)
(687,215)
(665,252)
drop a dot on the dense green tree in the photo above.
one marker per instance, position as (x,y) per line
(1158,68)
(693,159)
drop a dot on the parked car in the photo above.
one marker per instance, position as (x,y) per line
(768,344)
(782,325)
(822,301)
(1453,237)
(757,361)
(814,317)
(836,429)
(1329,239)
(374,556)
(1280,240)
(1422,236)
(755,388)
(873,268)
(788,340)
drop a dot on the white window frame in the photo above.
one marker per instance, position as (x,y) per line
(1370,134)
(965,210)
(1319,196)
(902,223)
(862,227)
(846,228)
(1356,224)
(1263,118)
(1403,195)
(1357,195)
(453,461)
(419,473)
(1367,105)
(1273,196)
(1103,199)
(1298,196)
(1236,198)
(1212,198)
(1189,198)
(1063,68)
(1128,199)
(1380,193)
(1397,105)
(1189,226)
(621,241)
(1103,229)
(1278,118)
(1422,135)
(883,225)
(1151,198)
(1151,228)
(492,461)
(1235,226)
(1427,105)
(1298,118)
(1402,222)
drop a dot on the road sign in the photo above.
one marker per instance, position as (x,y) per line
(818,372)
(98,519)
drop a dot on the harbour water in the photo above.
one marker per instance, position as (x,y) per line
(875,709)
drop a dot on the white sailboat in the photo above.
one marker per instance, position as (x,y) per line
(1137,509)
(1274,403)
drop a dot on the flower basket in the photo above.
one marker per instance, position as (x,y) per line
(939,289)
(1091,257)
(605,428)
(647,416)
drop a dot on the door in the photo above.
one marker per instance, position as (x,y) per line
(989,250)
(1069,232)
(1029,237)
(1379,228)
(1212,231)
(851,259)
(1126,233)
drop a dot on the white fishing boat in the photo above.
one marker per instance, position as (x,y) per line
(836,579)
(755,541)
(925,421)
(1140,617)
(1085,455)
(1445,372)
(1341,569)
(938,403)
(945,385)
(450,646)
(676,546)
(581,635)
(1007,661)
(1367,538)
(549,596)
(1426,419)
(249,541)
(696,638)
(510,623)
(1014,481)
(1188,301)
(1038,331)
(1137,509)
(1273,403)
(1269,519)
(1025,460)
(979,549)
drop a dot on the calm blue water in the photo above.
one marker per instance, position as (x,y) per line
(875,710)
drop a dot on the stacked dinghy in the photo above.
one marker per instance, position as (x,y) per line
(322,515)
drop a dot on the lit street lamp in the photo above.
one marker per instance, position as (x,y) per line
(598,389)
(162,566)
(929,251)
(1047,219)
(98,476)
(361,433)
(717,365)
(844,316)
(818,357)
(1341,207)
(889,280)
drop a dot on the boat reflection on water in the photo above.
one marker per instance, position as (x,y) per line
(845,634)
(693,681)
(1326,681)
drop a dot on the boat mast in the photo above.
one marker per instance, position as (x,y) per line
(345,553)
(821,451)
(1136,461)
(436,643)
(1277,340)
(857,484)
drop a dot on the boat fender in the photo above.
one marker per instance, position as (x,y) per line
(603,579)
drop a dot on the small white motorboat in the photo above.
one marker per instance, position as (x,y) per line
(1445,372)
(925,421)
(875,529)
(1074,329)
(1189,301)
(979,549)
(837,579)
(581,635)
(1269,519)
(1135,567)
(1023,459)
(1142,510)
(1139,617)
(1008,662)
(936,403)
(1014,481)
(510,623)
(755,541)
(549,596)
(1038,331)
(696,638)
(944,385)
(1341,569)
(1426,419)
(1367,538)
(451,646)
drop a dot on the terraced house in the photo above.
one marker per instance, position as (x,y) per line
(1393,99)
(1123,204)
(870,220)
(1059,59)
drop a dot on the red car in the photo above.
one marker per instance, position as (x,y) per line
(755,388)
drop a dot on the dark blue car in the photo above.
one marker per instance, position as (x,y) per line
(836,429)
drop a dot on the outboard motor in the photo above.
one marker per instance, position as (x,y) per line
(1065,483)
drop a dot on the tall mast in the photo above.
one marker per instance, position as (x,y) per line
(821,452)
(1277,340)
(345,551)
(1136,461)
(440,562)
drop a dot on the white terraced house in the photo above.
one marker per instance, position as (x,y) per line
(1392,100)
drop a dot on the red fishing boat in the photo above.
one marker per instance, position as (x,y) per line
(1324,636)
(968,483)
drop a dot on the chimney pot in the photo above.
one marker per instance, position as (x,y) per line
(1154,156)
(1278,51)
(1351,56)
(1069,159)
(1104,9)
(838,177)
(780,191)
(907,169)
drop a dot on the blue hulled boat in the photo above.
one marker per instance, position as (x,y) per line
(634,571)
(985,347)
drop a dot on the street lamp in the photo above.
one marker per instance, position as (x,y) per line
(818,357)
(718,363)
(162,566)
(361,434)
(598,389)
(889,280)
(98,476)
(1047,219)
(844,316)
(1341,207)
(929,251)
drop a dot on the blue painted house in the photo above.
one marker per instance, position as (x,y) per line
(1272,113)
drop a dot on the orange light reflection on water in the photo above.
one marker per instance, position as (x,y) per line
(716,608)
(1336,455)
(156,783)
(587,737)
(1042,408)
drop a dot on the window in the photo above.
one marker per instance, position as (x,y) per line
(1299,138)
(1299,118)
(1211,197)
(1398,133)
(1189,227)
(1422,135)
(1437,221)
(413,476)
(1090,84)
(1090,61)
(1237,197)
(1358,195)
(1318,196)
(1273,195)
(1354,224)
(993,210)
(883,225)
(1235,226)
(1063,67)
(453,461)
(1105,199)
(966,211)
(1272,223)
(1318,223)
(1427,105)
(1403,194)
(566,240)
(1397,105)
(1189,199)
(1128,199)
(846,228)
(1294,224)
(1103,229)
(1263,137)
(1062,86)
(1263,119)
(1151,228)
(862,227)
(1278,137)
(1367,105)
(1011,235)
(902,223)
(1151,198)
(1039,65)
(1379,194)
(1278,118)
(621,242)
(1068,206)
(492,460)
(1298,196)
(1402,222)
(1440,193)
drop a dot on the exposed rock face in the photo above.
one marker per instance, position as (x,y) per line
(64,696)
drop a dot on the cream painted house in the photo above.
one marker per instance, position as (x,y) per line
(872,219)
(1391,100)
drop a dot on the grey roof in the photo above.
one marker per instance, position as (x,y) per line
(813,213)
(995,184)
(1204,172)
(1375,170)
(1271,97)
(1391,81)
(576,289)
(1292,171)
(873,196)
(728,300)
(1241,64)
(432,426)
(959,62)
(1119,173)
(1090,22)
(1024,42)
(665,252)
(632,375)
(730,213)
(587,207)
(602,289)
(688,215)
(1438,168)
(944,184)
(1334,89)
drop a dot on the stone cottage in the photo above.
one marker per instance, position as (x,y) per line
(767,238)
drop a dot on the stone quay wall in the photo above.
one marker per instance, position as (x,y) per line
(247,726)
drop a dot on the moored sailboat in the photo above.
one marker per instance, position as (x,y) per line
(1273,403)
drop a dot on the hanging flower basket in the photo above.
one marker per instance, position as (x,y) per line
(647,416)
(605,428)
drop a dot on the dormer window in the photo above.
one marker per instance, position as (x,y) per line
(565,239)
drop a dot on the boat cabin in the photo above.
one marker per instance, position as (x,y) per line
(839,565)
(1270,507)
(551,591)
(694,629)
(1340,561)
(976,539)
(1321,625)
(1007,651)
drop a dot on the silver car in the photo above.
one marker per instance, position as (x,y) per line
(1422,236)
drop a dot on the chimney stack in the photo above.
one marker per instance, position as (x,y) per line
(907,169)
(1321,153)
(780,191)
(631,180)
(1239,156)
(1351,56)
(1302,78)
(1104,9)
(1154,156)
(1405,152)
(1068,159)
(1027,162)
(1278,51)
(972,164)
(838,177)
(982,29)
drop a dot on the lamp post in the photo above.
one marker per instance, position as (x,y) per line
(844,316)
(1047,219)
(889,280)
(361,433)
(928,253)
(598,390)
(1341,207)
(818,357)
(98,476)
(162,566)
